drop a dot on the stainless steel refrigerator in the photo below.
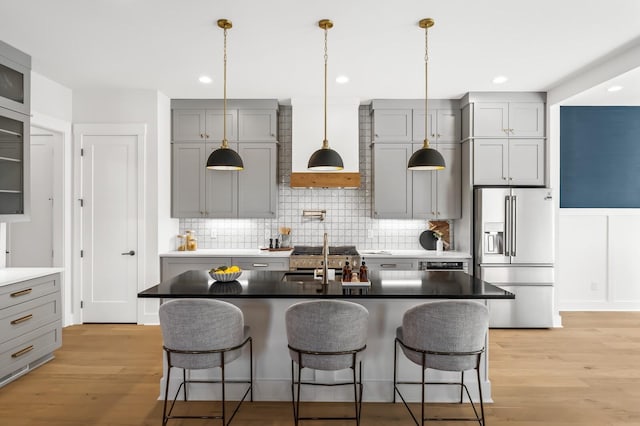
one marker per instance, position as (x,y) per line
(514,249)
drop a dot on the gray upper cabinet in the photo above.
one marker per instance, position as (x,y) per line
(193,125)
(392,125)
(508,162)
(15,149)
(392,184)
(510,119)
(443,125)
(15,79)
(437,194)
(257,125)
(257,188)
(399,193)
(188,180)
(507,133)
(197,131)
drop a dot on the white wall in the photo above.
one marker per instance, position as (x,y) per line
(50,98)
(597,248)
(152,108)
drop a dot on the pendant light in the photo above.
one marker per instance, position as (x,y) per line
(426,158)
(325,159)
(224,158)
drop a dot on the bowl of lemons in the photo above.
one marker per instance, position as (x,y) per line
(225,273)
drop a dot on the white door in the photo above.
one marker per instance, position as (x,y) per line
(110,214)
(31,243)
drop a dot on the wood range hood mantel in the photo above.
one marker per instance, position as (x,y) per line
(325,180)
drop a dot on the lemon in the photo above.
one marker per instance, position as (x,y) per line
(232,268)
(222,268)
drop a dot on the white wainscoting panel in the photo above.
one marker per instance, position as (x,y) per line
(598,260)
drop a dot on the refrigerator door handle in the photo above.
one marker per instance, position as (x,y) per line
(507,225)
(514,214)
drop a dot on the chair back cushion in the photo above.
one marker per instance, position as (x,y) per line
(201,324)
(326,326)
(445,326)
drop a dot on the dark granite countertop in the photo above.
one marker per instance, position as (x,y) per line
(282,285)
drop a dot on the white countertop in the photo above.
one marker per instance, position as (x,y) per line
(420,254)
(15,275)
(227,253)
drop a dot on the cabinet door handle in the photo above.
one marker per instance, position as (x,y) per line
(201,135)
(22,351)
(22,319)
(273,135)
(206,136)
(21,292)
(511,130)
(260,265)
(388,265)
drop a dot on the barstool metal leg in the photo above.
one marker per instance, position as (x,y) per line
(461,385)
(184,381)
(166,394)
(224,418)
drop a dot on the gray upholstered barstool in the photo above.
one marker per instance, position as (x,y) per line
(326,335)
(203,334)
(448,336)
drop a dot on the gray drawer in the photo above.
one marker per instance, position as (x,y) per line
(402,264)
(25,317)
(25,291)
(17,353)
(260,263)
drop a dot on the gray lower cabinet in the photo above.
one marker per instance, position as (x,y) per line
(30,325)
(199,192)
(172,266)
(400,193)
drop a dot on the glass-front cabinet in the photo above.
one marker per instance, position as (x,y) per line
(14,134)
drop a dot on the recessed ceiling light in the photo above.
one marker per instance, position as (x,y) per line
(614,88)
(342,79)
(500,79)
(205,79)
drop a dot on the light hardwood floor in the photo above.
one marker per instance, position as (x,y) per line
(587,373)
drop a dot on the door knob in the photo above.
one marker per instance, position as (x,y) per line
(129,253)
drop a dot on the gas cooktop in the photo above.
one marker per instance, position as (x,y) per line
(317,250)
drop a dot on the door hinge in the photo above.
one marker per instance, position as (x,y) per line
(81,253)
(81,304)
(81,202)
(81,152)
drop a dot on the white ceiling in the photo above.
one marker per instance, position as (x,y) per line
(276,48)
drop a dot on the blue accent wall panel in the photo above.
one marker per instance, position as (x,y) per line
(599,157)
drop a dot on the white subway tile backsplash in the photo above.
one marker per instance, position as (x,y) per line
(348,219)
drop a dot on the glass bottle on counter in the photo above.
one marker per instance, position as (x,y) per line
(346,272)
(364,272)
(192,243)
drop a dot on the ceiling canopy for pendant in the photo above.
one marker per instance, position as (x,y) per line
(426,158)
(325,159)
(224,158)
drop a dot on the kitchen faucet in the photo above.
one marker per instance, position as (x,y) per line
(325,259)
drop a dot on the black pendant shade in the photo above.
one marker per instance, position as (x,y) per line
(325,159)
(224,159)
(426,159)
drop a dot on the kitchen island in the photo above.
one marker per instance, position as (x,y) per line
(264,296)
